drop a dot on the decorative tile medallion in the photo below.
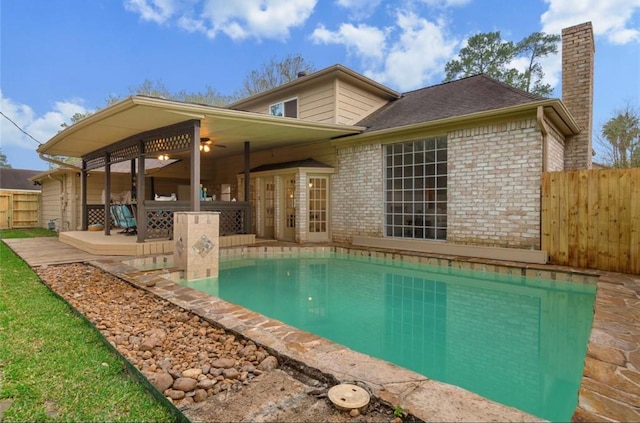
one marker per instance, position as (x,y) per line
(203,246)
(179,246)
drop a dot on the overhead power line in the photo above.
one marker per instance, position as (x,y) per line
(21,130)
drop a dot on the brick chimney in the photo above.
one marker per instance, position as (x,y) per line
(578,51)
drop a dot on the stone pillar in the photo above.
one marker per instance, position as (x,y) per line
(196,244)
(578,51)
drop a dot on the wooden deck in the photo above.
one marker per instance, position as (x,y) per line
(117,244)
(49,251)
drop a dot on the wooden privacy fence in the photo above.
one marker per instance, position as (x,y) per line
(19,209)
(591,219)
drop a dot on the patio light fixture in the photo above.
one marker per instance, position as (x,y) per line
(163,157)
(204,144)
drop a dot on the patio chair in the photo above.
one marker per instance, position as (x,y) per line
(123,217)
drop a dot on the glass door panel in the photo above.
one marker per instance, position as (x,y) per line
(318,208)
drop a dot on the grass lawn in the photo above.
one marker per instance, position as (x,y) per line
(54,366)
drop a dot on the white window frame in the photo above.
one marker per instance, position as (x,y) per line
(282,107)
(415,184)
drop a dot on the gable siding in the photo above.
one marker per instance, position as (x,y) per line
(354,103)
(50,208)
(59,202)
(317,104)
(328,101)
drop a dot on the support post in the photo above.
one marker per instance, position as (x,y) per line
(141,213)
(195,167)
(247,185)
(107,193)
(83,196)
(196,237)
(133,179)
(247,169)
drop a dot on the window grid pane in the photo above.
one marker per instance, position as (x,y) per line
(416,189)
(318,204)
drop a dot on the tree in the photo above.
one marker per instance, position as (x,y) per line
(621,138)
(535,47)
(4,162)
(157,89)
(484,53)
(272,74)
(488,53)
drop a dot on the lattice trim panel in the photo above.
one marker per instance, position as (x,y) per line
(172,138)
(95,163)
(159,224)
(168,143)
(231,222)
(95,215)
(125,153)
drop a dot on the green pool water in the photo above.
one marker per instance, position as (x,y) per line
(518,341)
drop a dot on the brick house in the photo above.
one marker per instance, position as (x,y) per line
(334,156)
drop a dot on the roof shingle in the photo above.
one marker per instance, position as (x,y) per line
(457,98)
(18,179)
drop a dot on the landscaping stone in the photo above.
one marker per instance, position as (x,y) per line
(231,373)
(206,383)
(223,363)
(200,395)
(192,373)
(268,364)
(161,380)
(185,384)
(181,354)
(174,394)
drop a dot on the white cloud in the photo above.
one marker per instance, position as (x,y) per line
(42,128)
(363,41)
(420,53)
(612,19)
(158,11)
(238,19)
(446,3)
(359,9)
(406,56)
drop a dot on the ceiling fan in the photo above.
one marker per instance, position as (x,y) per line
(206,143)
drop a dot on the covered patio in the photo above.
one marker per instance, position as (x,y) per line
(194,139)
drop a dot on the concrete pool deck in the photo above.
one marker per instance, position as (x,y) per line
(610,389)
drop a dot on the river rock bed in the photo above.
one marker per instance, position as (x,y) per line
(188,359)
(182,355)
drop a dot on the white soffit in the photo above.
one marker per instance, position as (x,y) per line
(229,127)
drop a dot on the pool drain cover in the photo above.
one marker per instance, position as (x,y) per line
(347,396)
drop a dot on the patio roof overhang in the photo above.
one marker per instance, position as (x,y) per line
(231,128)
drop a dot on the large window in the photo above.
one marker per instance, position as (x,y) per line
(287,108)
(416,189)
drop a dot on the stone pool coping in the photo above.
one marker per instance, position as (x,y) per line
(610,388)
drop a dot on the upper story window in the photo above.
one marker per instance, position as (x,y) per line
(288,108)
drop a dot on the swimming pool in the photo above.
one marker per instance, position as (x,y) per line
(518,341)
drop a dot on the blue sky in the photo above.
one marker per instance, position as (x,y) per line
(59,57)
